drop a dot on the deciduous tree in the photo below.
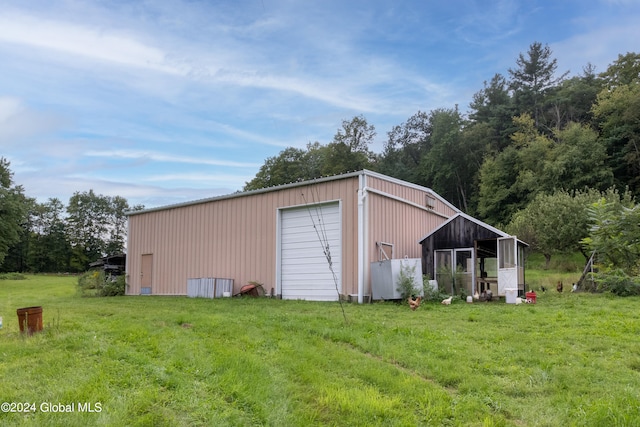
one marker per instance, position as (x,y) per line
(13,209)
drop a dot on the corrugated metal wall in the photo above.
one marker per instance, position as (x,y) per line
(235,237)
(400,223)
(230,237)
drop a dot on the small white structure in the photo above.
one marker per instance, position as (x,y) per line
(385,277)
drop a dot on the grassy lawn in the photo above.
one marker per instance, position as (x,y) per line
(571,359)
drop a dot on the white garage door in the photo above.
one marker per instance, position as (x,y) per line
(304,268)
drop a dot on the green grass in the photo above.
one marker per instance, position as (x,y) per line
(570,359)
(566,268)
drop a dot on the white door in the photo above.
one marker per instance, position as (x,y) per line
(507,264)
(311,253)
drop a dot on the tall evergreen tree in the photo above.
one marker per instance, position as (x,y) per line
(532,79)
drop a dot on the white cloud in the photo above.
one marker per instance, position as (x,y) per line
(166,157)
(95,43)
(18,121)
(202,179)
(595,46)
(219,63)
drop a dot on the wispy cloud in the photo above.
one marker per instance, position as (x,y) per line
(93,43)
(142,97)
(202,179)
(166,158)
(18,121)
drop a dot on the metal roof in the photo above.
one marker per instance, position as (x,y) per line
(238,194)
(472,219)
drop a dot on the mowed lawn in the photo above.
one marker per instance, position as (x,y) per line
(569,360)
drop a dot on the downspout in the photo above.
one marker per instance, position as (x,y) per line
(362,195)
(127,262)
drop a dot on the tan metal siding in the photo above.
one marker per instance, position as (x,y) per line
(230,238)
(399,221)
(393,222)
(410,193)
(236,237)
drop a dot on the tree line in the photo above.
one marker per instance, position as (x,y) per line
(51,237)
(535,153)
(535,131)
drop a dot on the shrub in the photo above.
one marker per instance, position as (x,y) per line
(405,284)
(113,286)
(12,276)
(431,294)
(618,283)
(95,283)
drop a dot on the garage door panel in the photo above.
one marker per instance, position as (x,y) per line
(313,294)
(304,269)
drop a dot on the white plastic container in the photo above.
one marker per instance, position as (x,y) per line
(510,295)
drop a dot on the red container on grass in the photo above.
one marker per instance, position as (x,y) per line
(531,297)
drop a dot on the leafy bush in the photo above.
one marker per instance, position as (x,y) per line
(406,285)
(618,283)
(89,282)
(12,276)
(113,286)
(615,236)
(431,294)
(95,283)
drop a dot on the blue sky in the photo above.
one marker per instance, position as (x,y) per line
(167,101)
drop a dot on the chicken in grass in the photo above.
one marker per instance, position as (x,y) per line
(447,301)
(414,303)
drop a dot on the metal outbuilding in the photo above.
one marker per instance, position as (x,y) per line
(310,240)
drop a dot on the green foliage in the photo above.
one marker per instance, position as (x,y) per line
(578,160)
(13,210)
(451,165)
(349,151)
(553,223)
(617,111)
(406,145)
(405,284)
(89,282)
(533,78)
(571,101)
(615,237)
(617,281)
(623,71)
(493,107)
(536,165)
(96,283)
(113,286)
(510,180)
(12,276)
(430,293)
(357,134)
(96,227)
(49,248)
(615,234)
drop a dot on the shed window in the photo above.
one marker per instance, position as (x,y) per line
(507,254)
(430,201)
